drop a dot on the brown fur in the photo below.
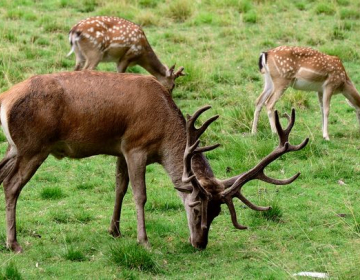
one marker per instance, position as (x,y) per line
(80,114)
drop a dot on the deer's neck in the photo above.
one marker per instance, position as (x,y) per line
(153,65)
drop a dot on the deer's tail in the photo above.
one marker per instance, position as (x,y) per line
(73,37)
(263,62)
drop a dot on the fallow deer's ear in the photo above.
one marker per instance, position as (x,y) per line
(170,71)
(179,72)
(172,68)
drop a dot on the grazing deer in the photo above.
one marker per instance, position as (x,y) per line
(112,39)
(303,69)
(69,115)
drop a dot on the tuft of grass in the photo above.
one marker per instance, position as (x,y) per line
(251,17)
(83,217)
(11,272)
(88,6)
(60,217)
(180,10)
(85,186)
(301,5)
(274,214)
(325,8)
(52,193)
(74,255)
(147,18)
(133,256)
(349,14)
(244,6)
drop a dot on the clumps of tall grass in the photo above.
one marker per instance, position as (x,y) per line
(297,99)
(147,18)
(251,17)
(180,10)
(52,193)
(88,6)
(133,256)
(11,272)
(74,255)
(274,214)
(325,8)
(82,217)
(349,14)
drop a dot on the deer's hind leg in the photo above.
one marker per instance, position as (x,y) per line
(23,169)
(280,85)
(122,182)
(260,101)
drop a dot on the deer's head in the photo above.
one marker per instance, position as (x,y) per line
(204,194)
(169,80)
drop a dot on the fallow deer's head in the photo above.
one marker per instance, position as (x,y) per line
(169,80)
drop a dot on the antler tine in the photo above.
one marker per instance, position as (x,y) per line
(258,171)
(192,148)
(190,124)
(240,196)
(231,207)
(284,133)
(280,182)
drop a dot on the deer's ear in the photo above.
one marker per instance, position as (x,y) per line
(179,72)
(170,71)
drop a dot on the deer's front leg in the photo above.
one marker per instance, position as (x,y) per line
(326,103)
(122,182)
(136,162)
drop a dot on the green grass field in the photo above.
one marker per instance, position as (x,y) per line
(65,210)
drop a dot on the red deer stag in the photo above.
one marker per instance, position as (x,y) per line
(69,115)
(112,39)
(303,69)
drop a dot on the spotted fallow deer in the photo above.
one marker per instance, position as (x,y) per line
(69,115)
(113,39)
(303,69)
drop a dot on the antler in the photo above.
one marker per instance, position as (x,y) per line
(192,147)
(258,171)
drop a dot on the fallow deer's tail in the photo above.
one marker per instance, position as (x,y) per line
(73,37)
(263,62)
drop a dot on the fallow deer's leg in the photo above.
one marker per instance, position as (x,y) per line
(122,182)
(126,60)
(279,87)
(92,56)
(24,169)
(122,65)
(79,58)
(320,97)
(353,97)
(328,91)
(136,162)
(260,101)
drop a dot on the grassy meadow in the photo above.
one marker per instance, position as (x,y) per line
(65,210)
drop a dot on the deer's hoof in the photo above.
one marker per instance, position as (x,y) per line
(15,247)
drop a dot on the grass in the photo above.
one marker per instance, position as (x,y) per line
(64,211)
